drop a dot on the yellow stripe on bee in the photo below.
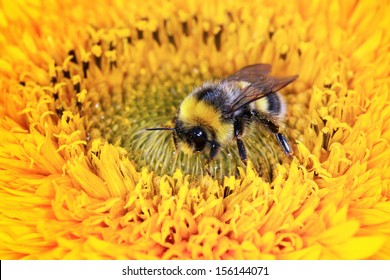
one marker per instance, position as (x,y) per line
(198,112)
(262,105)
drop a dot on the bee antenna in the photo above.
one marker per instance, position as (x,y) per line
(160,128)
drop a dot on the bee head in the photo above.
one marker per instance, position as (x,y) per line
(190,140)
(197,138)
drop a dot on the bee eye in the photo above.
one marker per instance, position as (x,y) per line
(198,137)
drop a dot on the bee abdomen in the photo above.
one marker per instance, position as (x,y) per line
(272,104)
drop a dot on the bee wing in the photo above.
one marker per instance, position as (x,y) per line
(251,73)
(253,90)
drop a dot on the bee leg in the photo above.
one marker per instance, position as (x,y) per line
(284,144)
(214,150)
(273,127)
(238,130)
(242,151)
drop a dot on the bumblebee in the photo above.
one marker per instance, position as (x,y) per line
(218,113)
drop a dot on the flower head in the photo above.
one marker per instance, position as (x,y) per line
(81,179)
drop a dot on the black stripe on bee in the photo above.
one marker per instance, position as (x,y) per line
(212,96)
(274,105)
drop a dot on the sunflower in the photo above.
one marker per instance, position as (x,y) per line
(81,179)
